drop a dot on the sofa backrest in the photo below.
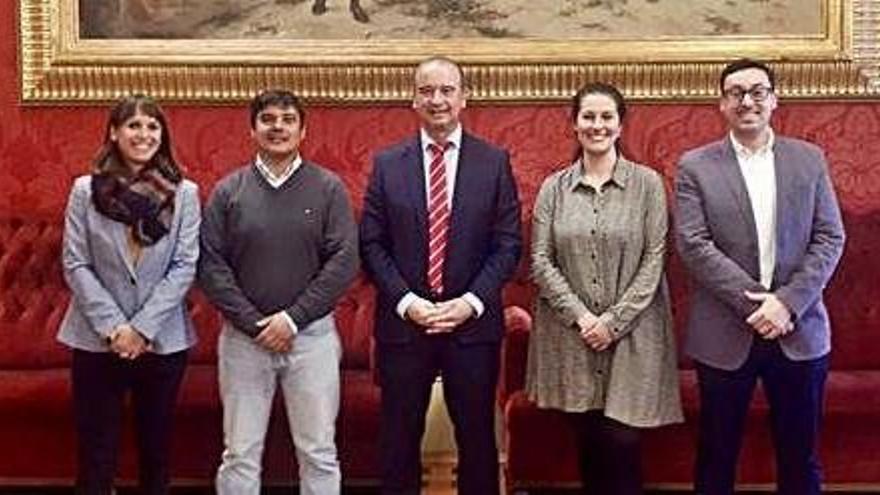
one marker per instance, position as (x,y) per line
(353,314)
(853,297)
(33,298)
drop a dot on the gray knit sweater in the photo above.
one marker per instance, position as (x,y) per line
(264,249)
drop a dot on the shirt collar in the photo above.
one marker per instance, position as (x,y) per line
(619,174)
(267,173)
(454,138)
(744,153)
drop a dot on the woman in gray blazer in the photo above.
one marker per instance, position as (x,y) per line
(602,346)
(129,256)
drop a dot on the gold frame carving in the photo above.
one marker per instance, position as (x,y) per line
(843,61)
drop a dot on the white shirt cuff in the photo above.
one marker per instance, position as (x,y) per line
(404,304)
(410,298)
(475,303)
(290,323)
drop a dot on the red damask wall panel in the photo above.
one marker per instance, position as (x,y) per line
(42,149)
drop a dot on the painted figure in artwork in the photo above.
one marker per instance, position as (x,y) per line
(320,7)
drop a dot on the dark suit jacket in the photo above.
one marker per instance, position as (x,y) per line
(484,238)
(718,243)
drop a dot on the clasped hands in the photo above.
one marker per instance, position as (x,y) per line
(594,332)
(439,317)
(276,334)
(127,342)
(772,319)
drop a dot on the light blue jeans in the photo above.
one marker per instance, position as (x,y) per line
(308,376)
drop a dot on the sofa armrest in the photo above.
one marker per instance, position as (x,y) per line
(514,351)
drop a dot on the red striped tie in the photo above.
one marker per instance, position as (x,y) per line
(438,217)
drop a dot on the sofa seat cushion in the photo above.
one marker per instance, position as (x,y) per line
(198,442)
(36,424)
(48,453)
(541,451)
(358,427)
(851,427)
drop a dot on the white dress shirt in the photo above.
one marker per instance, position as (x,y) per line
(450,157)
(759,172)
(277,181)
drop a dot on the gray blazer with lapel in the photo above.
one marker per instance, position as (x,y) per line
(717,240)
(108,291)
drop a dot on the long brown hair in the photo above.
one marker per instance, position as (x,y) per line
(110,160)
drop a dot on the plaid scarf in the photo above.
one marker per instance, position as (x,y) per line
(144,201)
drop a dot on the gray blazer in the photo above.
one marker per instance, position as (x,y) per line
(718,243)
(108,291)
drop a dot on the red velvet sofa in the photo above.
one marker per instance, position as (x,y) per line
(36,429)
(36,423)
(539,446)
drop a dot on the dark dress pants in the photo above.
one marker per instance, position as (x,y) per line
(794,391)
(470,375)
(609,454)
(100,383)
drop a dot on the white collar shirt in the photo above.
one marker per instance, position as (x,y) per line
(759,172)
(450,157)
(277,181)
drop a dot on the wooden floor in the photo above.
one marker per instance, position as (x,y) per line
(439,478)
(432,489)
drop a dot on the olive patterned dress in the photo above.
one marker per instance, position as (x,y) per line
(603,251)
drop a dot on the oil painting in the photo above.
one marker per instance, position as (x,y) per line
(363,51)
(446,19)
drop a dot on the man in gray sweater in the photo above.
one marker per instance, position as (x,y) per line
(279,247)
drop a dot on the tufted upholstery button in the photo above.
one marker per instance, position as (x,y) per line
(33,295)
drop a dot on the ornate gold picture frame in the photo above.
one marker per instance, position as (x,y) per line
(842,60)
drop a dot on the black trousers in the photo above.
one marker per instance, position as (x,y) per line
(794,391)
(609,454)
(101,382)
(406,375)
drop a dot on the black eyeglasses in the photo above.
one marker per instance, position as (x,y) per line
(757,92)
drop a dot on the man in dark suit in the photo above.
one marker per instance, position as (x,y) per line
(440,234)
(759,229)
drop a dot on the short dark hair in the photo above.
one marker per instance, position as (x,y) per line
(442,59)
(276,98)
(109,158)
(602,89)
(743,64)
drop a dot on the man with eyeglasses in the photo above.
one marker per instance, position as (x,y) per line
(759,229)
